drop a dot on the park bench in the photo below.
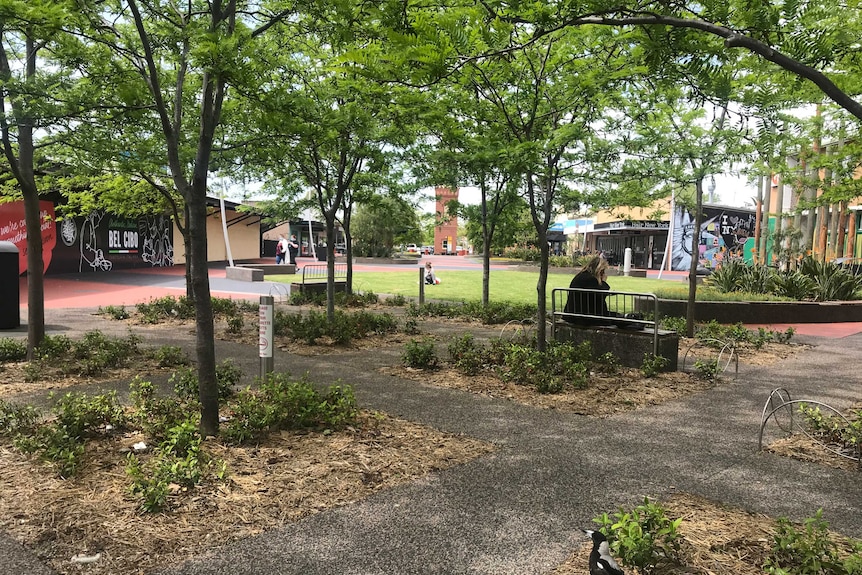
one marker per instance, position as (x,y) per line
(629,344)
(314,279)
(255,272)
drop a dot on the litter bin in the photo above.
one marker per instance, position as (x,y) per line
(10,316)
(321,254)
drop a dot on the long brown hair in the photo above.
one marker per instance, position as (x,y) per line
(597,265)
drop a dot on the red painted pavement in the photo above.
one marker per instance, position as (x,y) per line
(86,290)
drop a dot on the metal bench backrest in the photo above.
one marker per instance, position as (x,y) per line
(617,301)
(317,273)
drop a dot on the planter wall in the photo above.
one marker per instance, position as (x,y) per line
(766,312)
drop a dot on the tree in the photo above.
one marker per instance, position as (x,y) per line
(37,100)
(185,57)
(800,38)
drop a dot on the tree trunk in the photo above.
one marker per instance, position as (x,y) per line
(542,291)
(187,244)
(330,269)
(204,330)
(695,259)
(35,268)
(842,226)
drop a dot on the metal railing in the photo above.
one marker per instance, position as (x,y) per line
(620,303)
(317,273)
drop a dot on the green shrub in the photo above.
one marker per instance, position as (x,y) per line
(420,354)
(491,314)
(225,307)
(155,415)
(114,312)
(81,415)
(185,381)
(178,461)
(608,363)
(809,551)
(727,277)
(832,282)
(559,367)
(54,347)
(793,284)
(707,369)
(283,404)
(677,324)
(235,324)
(12,349)
(168,307)
(15,419)
(653,365)
(644,537)
(466,355)
(397,300)
(61,441)
(169,356)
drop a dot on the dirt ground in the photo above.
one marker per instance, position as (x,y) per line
(291,475)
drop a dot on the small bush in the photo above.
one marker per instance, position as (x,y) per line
(61,441)
(466,355)
(653,365)
(810,551)
(677,324)
(235,324)
(54,347)
(644,537)
(15,420)
(169,356)
(155,415)
(283,404)
(561,366)
(420,354)
(185,381)
(707,370)
(12,349)
(178,462)
(397,300)
(114,312)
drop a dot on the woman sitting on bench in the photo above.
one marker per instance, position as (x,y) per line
(592,276)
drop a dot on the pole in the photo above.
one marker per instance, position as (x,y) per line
(421,285)
(224,229)
(668,245)
(266,343)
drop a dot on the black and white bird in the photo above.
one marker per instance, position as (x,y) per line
(601,562)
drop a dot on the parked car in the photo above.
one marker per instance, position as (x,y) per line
(428,250)
(412,249)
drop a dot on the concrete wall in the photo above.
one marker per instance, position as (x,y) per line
(244,234)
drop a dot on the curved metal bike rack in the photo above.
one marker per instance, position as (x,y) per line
(280,292)
(779,399)
(727,347)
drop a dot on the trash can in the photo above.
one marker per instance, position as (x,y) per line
(321,254)
(10,298)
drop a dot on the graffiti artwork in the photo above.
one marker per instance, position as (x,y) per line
(13,229)
(91,253)
(99,242)
(723,233)
(158,249)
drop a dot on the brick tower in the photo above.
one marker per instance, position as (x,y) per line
(446,234)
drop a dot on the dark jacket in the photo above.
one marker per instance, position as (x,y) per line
(590,303)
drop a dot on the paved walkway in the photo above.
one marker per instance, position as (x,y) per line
(520,509)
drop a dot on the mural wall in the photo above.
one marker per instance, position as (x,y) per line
(100,242)
(724,233)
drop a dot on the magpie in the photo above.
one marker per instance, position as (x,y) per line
(601,562)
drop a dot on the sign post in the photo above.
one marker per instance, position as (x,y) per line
(266,343)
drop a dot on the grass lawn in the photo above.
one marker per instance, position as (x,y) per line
(466,285)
